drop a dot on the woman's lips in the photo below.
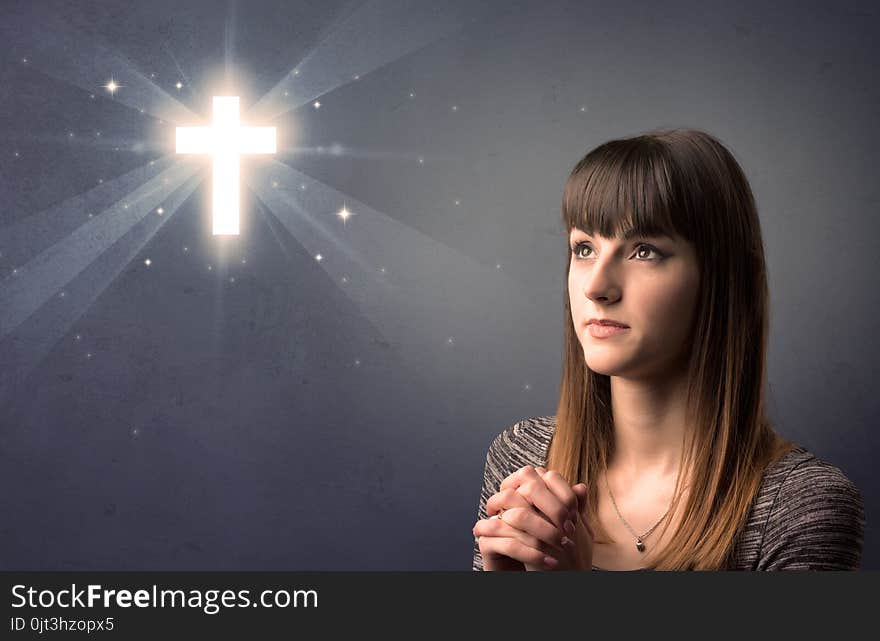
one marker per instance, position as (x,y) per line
(605,331)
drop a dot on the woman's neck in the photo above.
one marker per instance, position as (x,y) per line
(649,427)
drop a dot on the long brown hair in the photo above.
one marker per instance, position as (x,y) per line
(684,183)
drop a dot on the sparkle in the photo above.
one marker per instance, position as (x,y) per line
(232,279)
(148,262)
(88,354)
(527,387)
(15,271)
(357,77)
(296,72)
(152,75)
(457,203)
(125,206)
(345,279)
(112,86)
(303,186)
(16,154)
(244,261)
(70,135)
(344,214)
(382,269)
(450,340)
(152,162)
(92,96)
(454,107)
(61,294)
(24,60)
(412,95)
(90,215)
(286,94)
(78,337)
(421,160)
(186,249)
(179,85)
(357,362)
(210,268)
(160,211)
(583,109)
(275,184)
(100,181)
(316,104)
(135,432)
(498,266)
(98,134)
(319,258)
(142,110)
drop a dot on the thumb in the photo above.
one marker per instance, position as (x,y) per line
(580,491)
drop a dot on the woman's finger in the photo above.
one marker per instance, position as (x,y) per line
(563,491)
(581,490)
(516,549)
(527,482)
(520,476)
(504,500)
(525,524)
(536,491)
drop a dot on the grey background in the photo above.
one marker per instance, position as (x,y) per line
(224,427)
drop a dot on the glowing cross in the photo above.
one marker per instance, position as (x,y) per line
(226,141)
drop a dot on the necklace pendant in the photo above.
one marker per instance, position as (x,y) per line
(639,545)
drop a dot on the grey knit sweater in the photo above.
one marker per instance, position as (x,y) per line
(807,515)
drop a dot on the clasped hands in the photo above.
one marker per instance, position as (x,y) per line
(536,522)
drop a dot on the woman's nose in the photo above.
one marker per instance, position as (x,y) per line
(601,283)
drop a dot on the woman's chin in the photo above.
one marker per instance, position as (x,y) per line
(602,366)
(608,364)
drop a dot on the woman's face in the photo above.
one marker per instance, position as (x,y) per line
(649,284)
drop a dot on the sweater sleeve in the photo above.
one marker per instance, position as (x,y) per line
(817,521)
(494,472)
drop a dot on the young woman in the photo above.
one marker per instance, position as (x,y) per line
(661,455)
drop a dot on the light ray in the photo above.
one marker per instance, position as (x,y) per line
(35,282)
(371,36)
(25,347)
(64,53)
(339,151)
(23,239)
(92,140)
(299,218)
(196,95)
(414,290)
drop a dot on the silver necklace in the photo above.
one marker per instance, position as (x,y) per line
(640,545)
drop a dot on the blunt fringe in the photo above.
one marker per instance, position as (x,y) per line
(680,182)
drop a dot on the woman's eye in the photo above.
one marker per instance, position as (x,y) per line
(581,247)
(578,248)
(648,249)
